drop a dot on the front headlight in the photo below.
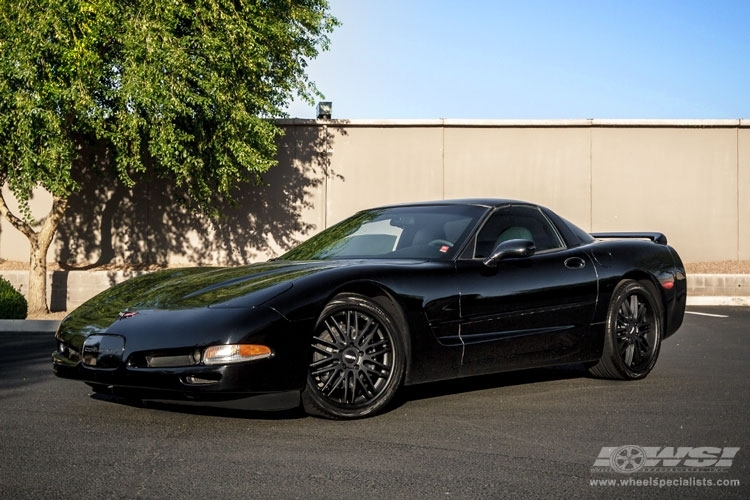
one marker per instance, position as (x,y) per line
(235,353)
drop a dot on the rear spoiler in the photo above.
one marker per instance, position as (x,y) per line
(655,237)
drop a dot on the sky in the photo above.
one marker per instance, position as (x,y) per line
(535,59)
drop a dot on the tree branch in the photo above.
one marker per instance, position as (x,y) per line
(15,221)
(52,221)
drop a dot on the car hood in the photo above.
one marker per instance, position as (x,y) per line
(204,287)
(190,288)
(190,293)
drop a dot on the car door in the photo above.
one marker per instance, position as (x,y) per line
(527,311)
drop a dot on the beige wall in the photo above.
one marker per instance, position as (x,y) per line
(681,181)
(378,165)
(743,191)
(688,179)
(550,166)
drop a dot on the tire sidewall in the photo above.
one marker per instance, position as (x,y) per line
(647,292)
(316,403)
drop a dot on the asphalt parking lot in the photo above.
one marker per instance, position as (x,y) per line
(533,434)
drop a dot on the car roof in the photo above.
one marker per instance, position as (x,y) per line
(482,202)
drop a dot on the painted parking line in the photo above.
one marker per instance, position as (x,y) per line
(707,314)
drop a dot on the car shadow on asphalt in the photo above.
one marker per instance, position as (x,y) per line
(409,393)
(492,381)
(201,409)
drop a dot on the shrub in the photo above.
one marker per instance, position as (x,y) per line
(12,303)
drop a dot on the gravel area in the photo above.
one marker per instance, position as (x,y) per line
(722,267)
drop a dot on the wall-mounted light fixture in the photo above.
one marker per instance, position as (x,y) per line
(324,110)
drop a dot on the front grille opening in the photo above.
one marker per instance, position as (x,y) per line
(166,359)
(204,379)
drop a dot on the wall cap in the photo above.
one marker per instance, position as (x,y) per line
(498,123)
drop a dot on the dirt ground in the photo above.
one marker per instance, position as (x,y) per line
(722,267)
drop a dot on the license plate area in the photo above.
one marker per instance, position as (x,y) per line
(103,351)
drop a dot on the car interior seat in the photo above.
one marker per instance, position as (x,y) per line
(514,233)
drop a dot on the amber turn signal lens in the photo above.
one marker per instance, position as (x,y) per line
(235,353)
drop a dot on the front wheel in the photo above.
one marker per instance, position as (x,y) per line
(358,359)
(633,332)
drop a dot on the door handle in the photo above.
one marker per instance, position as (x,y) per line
(575,263)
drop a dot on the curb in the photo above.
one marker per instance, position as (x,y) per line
(718,300)
(719,285)
(28,325)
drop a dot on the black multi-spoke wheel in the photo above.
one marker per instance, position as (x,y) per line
(633,332)
(357,359)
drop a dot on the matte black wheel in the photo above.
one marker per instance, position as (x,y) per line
(633,332)
(358,359)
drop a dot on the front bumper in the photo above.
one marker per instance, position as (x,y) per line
(151,354)
(189,383)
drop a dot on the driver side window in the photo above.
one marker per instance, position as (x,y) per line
(516,222)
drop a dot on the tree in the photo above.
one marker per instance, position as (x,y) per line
(176,90)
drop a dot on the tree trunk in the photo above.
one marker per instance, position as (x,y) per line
(37,294)
(40,242)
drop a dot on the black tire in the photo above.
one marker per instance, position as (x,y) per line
(633,332)
(358,359)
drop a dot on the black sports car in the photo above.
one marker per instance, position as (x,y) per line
(392,296)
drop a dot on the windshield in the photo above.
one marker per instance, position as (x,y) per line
(411,232)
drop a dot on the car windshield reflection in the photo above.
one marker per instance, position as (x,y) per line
(410,232)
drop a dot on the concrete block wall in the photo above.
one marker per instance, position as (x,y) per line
(66,290)
(687,178)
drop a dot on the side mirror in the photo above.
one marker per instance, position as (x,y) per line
(511,249)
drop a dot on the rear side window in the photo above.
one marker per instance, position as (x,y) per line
(573,235)
(582,235)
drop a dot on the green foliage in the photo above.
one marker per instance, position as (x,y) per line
(12,302)
(179,90)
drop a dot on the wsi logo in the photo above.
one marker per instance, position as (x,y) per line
(631,458)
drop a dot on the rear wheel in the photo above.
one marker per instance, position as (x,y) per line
(633,332)
(358,359)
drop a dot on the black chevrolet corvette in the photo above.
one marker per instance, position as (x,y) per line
(392,296)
